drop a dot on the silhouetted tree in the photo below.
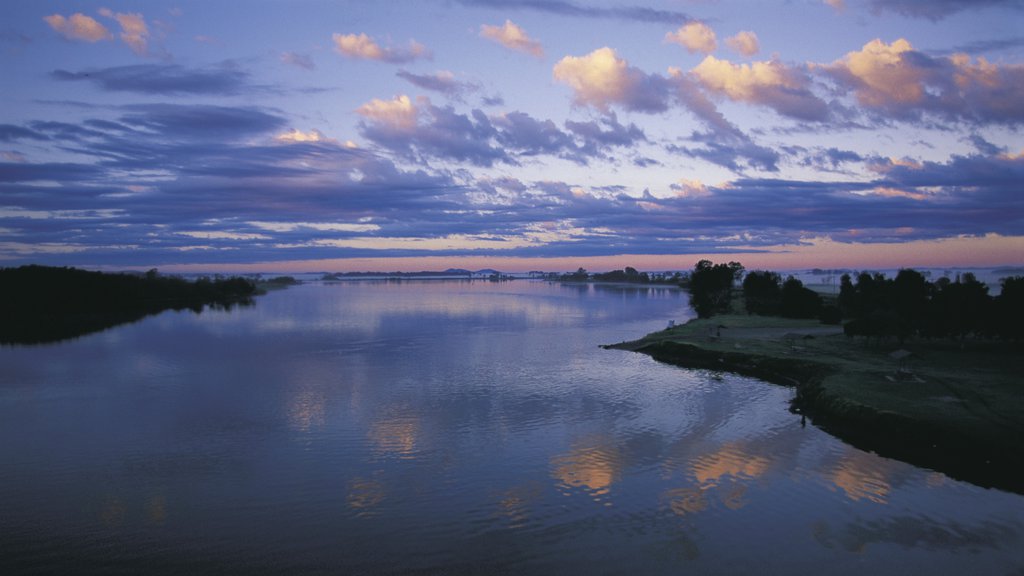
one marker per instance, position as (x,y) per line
(711,286)
(762,292)
(1009,308)
(798,301)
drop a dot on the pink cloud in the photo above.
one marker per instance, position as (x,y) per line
(898,81)
(745,43)
(695,37)
(602,79)
(513,37)
(769,83)
(78,26)
(363,47)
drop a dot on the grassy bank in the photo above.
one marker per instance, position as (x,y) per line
(957,407)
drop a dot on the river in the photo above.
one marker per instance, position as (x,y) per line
(447,427)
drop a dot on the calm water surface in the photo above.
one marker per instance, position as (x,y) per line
(447,427)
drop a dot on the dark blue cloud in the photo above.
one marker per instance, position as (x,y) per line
(442,83)
(582,10)
(938,9)
(162,79)
(10,133)
(169,184)
(476,138)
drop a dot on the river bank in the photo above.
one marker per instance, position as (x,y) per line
(955,407)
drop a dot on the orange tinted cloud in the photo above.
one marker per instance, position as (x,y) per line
(78,26)
(602,79)
(513,37)
(746,43)
(364,47)
(695,37)
(769,83)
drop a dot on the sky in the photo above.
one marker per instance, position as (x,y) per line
(513,134)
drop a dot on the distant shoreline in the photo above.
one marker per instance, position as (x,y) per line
(958,409)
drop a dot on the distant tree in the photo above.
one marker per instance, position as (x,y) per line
(830,314)
(798,301)
(711,287)
(909,299)
(580,275)
(762,292)
(1009,308)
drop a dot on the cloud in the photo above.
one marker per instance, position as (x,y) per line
(513,37)
(745,43)
(298,60)
(295,135)
(577,10)
(601,79)
(686,188)
(770,83)
(78,26)
(419,130)
(363,47)
(161,79)
(695,37)
(443,82)
(896,81)
(205,122)
(724,143)
(606,132)
(10,133)
(397,114)
(134,31)
(938,9)
(838,5)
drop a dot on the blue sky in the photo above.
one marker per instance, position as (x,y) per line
(515,134)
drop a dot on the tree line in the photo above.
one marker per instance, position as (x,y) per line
(872,305)
(628,275)
(45,304)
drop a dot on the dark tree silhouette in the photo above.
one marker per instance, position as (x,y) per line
(762,292)
(711,286)
(46,304)
(799,301)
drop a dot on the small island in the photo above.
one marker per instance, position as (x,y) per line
(929,373)
(44,304)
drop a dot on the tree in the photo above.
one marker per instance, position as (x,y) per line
(1009,306)
(762,292)
(711,286)
(798,301)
